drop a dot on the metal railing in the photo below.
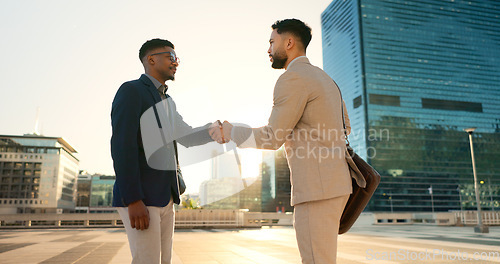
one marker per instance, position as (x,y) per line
(457,218)
(470,217)
(183,219)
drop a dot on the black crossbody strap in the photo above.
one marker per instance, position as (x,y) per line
(163,137)
(176,155)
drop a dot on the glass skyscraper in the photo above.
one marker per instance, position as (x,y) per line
(414,74)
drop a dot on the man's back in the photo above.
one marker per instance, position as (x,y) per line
(316,148)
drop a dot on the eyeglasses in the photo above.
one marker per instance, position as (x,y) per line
(172,56)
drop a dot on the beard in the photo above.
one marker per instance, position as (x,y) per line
(279,60)
(168,76)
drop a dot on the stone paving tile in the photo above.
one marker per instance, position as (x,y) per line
(390,249)
(4,247)
(6,234)
(370,244)
(73,254)
(76,238)
(36,253)
(102,254)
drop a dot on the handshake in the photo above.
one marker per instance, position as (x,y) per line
(220,132)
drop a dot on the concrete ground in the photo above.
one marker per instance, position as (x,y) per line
(363,244)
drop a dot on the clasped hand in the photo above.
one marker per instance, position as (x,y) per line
(220,132)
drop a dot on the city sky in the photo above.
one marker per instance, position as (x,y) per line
(68,59)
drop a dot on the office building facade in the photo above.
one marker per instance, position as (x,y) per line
(37,174)
(269,192)
(83,186)
(95,193)
(225,183)
(414,74)
(276,187)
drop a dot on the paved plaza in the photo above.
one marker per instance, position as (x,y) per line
(363,244)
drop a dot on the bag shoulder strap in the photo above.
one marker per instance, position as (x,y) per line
(176,155)
(342,109)
(163,137)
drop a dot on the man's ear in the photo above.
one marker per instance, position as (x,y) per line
(150,60)
(290,42)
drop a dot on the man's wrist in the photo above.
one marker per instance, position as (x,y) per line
(135,203)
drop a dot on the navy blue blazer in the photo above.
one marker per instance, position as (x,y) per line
(135,179)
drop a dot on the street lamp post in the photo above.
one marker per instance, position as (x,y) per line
(432,198)
(462,217)
(480,228)
(491,195)
(390,198)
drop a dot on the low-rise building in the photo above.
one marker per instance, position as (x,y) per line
(38,174)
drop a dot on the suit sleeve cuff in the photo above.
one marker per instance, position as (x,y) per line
(243,137)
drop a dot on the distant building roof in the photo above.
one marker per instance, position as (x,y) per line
(59,140)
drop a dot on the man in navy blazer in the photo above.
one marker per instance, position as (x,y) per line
(144,196)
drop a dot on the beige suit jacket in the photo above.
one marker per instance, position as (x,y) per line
(307,118)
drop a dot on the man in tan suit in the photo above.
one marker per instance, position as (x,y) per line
(307,118)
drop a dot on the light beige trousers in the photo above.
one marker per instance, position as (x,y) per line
(155,243)
(316,226)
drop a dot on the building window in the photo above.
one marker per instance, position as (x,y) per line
(53,151)
(357,102)
(451,105)
(382,99)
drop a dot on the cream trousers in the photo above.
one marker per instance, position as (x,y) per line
(155,243)
(316,226)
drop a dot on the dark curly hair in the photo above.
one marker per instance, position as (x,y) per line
(153,44)
(295,27)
